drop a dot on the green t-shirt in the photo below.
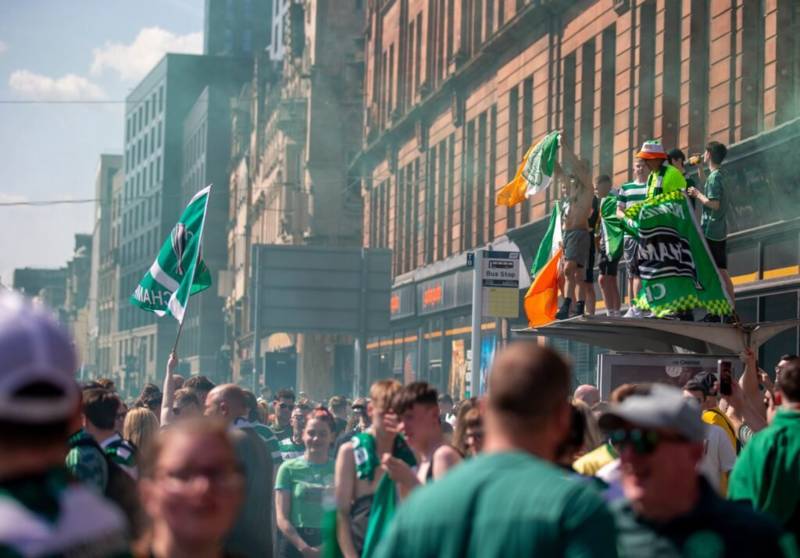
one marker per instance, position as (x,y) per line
(499,505)
(307,483)
(266,434)
(767,472)
(290,449)
(713,221)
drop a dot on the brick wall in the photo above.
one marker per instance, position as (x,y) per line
(439,146)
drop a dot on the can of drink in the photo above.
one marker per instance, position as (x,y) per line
(695,160)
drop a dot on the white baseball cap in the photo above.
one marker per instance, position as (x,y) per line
(37,364)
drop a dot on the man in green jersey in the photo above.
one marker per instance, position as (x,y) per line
(714,210)
(510,500)
(43,512)
(282,406)
(767,474)
(630,194)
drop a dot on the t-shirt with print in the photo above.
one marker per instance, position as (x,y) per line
(308,483)
(266,434)
(713,220)
(46,514)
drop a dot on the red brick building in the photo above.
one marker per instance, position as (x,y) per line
(456,91)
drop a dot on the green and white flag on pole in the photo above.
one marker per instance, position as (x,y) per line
(178,271)
(540,164)
(675,264)
(550,241)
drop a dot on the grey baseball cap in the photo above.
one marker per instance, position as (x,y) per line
(37,364)
(664,407)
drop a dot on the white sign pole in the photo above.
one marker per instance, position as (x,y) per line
(477,311)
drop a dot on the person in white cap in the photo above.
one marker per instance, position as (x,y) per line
(669,509)
(43,512)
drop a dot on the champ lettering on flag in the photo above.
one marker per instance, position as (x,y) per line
(178,271)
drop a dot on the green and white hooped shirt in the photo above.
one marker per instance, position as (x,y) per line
(47,515)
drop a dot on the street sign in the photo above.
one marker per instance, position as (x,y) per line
(500,284)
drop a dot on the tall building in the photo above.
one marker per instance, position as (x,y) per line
(455,92)
(306,126)
(103,277)
(76,311)
(152,194)
(278,22)
(206,160)
(239,28)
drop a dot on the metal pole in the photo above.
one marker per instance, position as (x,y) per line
(477,312)
(361,342)
(256,326)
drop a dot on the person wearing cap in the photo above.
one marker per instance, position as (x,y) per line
(767,475)
(719,455)
(43,511)
(663,178)
(669,509)
(511,499)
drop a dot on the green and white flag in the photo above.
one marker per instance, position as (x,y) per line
(550,241)
(612,228)
(676,268)
(540,164)
(178,271)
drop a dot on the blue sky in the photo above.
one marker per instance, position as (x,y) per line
(75,51)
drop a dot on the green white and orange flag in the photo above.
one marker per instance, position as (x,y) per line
(535,172)
(178,271)
(541,300)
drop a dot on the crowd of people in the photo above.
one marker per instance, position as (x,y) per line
(530,469)
(655,171)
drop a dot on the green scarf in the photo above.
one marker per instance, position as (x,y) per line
(384,501)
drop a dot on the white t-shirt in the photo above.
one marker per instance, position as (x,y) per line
(718,457)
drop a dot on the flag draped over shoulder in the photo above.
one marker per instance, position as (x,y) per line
(676,268)
(534,174)
(612,228)
(541,300)
(178,272)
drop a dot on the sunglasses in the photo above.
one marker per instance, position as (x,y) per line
(286,405)
(641,441)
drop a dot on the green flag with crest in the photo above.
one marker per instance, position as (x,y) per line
(675,264)
(178,272)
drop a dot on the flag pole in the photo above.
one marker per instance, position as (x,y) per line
(191,279)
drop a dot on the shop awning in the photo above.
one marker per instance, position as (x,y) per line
(659,336)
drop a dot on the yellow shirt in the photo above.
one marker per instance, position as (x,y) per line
(595,460)
(665,180)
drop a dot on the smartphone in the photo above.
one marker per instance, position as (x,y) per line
(725,375)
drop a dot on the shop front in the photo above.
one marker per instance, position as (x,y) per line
(430,330)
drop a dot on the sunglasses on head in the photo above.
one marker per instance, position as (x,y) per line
(640,440)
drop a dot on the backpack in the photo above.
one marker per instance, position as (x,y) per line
(120,489)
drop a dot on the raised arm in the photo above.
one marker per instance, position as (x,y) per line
(168,393)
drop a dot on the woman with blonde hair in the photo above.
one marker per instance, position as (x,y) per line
(140,427)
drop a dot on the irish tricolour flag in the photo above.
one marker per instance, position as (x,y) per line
(534,173)
(541,300)
(178,271)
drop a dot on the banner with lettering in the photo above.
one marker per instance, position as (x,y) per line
(178,272)
(676,268)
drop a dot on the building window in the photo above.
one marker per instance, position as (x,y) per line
(411,85)
(430,207)
(399,220)
(482,215)
(698,74)
(513,147)
(671,84)
(787,61)
(647,70)
(752,108)
(608,79)
(440,200)
(492,169)
(587,102)
(467,197)
(568,114)
(418,55)
(451,187)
